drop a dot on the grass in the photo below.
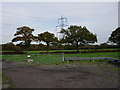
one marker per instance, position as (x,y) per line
(48,59)
(0,57)
(0,77)
(55,59)
(102,54)
(37,52)
(42,59)
(14,57)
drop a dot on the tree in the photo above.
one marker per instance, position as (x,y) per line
(10,46)
(103,44)
(48,38)
(77,35)
(115,36)
(25,35)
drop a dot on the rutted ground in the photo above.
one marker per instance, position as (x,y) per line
(62,76)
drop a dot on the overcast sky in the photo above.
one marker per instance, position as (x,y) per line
(100,18)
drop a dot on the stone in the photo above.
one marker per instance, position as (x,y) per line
(30,60)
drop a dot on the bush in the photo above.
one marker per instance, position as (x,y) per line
(11,47)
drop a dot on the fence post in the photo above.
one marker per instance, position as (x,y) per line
(63,57)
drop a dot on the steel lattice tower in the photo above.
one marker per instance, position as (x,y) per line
(61,21)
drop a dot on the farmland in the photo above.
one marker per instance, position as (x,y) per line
(49,59)
(61,51)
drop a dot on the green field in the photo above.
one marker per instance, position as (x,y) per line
(42,59)
(41,51)
(48,59)
(102,54)
(37,52)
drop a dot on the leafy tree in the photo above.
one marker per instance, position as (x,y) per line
(77,35)
(25,35)
(48,38)
(115,36)
(103,44)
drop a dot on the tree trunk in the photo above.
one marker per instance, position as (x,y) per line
(118,44)
(47,47)
(77,47)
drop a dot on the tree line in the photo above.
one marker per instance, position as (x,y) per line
(75,36)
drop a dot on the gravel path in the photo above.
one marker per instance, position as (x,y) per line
(64,76)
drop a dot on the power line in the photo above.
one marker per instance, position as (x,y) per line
(24,15)
(28,18)
(61,20)
(21,15)
(17,25)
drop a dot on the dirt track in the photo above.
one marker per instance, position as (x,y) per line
(65,76)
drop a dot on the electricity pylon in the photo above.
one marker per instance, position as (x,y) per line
(61,21)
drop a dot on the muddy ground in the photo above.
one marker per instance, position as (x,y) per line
(62,76)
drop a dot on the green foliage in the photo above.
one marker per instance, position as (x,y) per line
(115,36)
(11,46)
(103,44)
(48,38)
(77,35)
(24,34)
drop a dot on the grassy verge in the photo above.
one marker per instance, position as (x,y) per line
(37,52)
(106,54)
(52,59)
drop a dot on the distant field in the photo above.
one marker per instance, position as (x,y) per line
(102,54)
(49,59)
(37,52)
